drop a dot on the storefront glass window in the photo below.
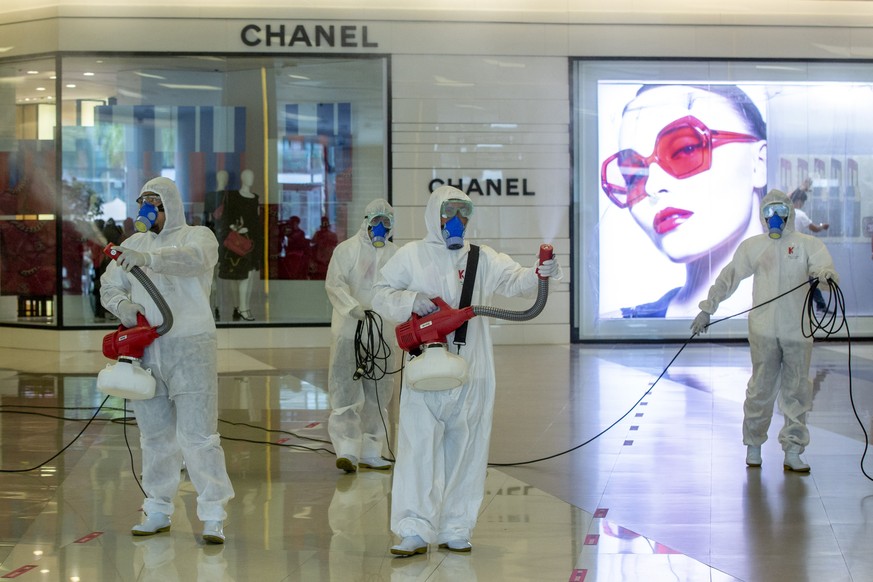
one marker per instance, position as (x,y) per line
(28,269)
(285,152)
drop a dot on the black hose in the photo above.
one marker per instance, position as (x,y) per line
(535,309)
(158,299)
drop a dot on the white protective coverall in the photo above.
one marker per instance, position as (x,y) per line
(443,436)
(355,423)
(181,420)
(780,353)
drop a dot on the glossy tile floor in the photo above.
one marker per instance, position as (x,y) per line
(662,495)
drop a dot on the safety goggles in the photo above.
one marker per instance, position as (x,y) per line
(452,208)
(682,149)
(775,208)
(152,199)
(386,219)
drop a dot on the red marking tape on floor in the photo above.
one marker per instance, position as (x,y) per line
(628,443)
(89,537)
(592,539)
(578,576)
(635,427)
(283,440)
(20,571)
(601,512)
(312,425)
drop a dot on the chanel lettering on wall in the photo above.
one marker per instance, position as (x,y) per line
(309,36)
(487,187)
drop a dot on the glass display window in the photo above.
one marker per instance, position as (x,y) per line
(255,144)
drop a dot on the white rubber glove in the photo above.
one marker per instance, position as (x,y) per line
(423,305)
(823,277)
(700,323)
(549,268)
(358,312)
(126,312)
(130,258)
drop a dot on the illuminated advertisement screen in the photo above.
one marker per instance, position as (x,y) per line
(671,169)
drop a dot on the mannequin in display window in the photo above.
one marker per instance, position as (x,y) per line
(240,219)
(214,200)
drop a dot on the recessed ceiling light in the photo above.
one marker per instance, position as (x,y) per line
(70,86)
(33,72)
(88,74)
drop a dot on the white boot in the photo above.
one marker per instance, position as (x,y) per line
(374,463)
(753,455)
(155,523)
(348,463)
(458,545)
(410,546)
(213,532)
(793,462)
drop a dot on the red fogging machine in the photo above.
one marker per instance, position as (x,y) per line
(432,366)
(126,378)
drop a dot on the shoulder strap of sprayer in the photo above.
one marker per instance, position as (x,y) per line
(467,292)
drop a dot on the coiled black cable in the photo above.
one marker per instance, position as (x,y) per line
(372,352)
(832,321)
(372,359)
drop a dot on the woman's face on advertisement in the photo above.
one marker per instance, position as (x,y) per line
(688,217)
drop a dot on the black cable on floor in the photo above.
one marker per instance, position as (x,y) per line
(833,321)
(130,452)
(809,315)
(125,420)
(63,449)
(373,355)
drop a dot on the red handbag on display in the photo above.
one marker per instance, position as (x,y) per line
(238,244)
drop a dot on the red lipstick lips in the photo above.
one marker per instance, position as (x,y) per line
(669,218)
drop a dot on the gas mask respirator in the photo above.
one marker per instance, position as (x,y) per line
(148,213)
(380,229)
(453,229)
(775,216)
(453,233)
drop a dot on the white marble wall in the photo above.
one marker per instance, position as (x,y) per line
(466,118)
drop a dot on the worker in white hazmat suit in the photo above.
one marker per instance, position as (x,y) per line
(442,447)
(780,259)
(358,406)
(180,422)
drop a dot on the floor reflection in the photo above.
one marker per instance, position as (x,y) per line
(662,495)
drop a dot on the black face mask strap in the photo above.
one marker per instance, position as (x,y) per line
(467,293)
